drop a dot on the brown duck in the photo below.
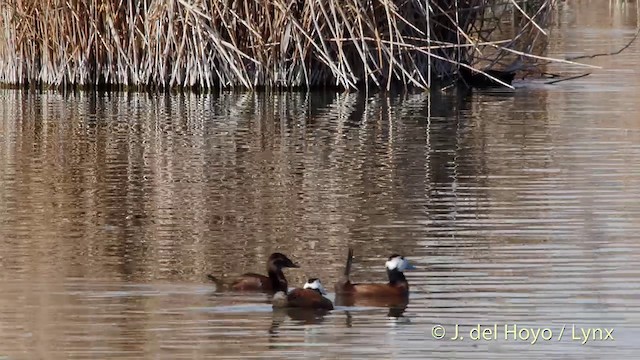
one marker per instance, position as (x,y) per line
(309,297)
(393,293)
(273,282)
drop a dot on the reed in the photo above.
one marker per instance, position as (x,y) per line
(208,44)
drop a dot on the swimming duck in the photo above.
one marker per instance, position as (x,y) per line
(272,283)
(395,292)
(479,80)
(309,297)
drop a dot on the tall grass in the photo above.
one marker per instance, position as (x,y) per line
(264,43)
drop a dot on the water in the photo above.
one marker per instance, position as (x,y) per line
(519,209)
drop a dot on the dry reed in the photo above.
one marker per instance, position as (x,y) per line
(276,44)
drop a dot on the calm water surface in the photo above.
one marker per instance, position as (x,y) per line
(519,208)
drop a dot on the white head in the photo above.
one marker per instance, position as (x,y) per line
(399,263)
(315,284)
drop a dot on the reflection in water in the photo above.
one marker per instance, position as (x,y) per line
(393,303)
(299,315)
(396,313)
(517,208)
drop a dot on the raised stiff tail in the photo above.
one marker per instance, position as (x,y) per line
(347,267)
(218,282)
(344,284)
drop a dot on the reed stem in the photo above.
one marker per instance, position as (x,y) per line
(348,44)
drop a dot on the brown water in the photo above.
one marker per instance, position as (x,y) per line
(519,209)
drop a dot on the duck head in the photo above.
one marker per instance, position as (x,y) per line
(315,284)
(279,261)
(396,266)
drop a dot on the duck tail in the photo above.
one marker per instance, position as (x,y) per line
(219,283)
(347,267)
(344,284)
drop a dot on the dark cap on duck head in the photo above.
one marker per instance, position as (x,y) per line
(315,284)
(397,262)
(281,261)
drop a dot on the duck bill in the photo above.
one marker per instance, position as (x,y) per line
(410,267)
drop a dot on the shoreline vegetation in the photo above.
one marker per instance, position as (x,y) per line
(277,44)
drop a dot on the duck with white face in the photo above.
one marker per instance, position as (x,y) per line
(394,292)
(309,297)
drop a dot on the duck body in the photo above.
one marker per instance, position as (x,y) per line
(309,297)
(393,293)
(273,282)
(258,282)
(376,290)
(479,80)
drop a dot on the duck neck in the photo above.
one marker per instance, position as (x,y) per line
(396,278)
(278,281)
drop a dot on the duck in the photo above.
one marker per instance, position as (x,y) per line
(311,296)
(478,80)
(393,293)
(273,282)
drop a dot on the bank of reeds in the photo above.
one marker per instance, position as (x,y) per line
(250,44)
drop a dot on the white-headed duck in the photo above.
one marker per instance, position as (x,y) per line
(309,297)
(396,291)
(272,283)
